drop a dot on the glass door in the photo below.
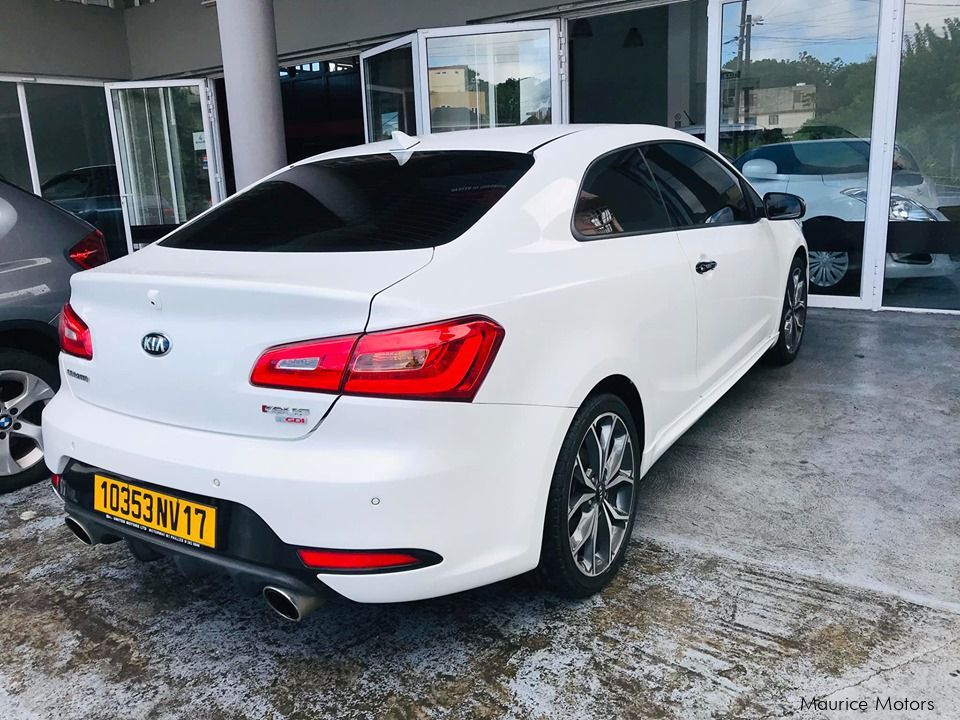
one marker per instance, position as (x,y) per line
(167,154)
(795,94)
(387,75)
(920,268)
(459,78)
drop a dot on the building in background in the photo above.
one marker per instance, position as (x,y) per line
(120,110)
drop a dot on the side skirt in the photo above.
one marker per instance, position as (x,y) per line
(669,435)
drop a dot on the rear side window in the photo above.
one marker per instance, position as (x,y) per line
(697,188)
(619,196)
(361,203)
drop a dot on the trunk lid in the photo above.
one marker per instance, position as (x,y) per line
(220,311)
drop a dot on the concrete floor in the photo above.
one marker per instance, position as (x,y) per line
(801,541)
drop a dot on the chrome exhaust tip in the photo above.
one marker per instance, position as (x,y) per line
(80,530)
(290,605)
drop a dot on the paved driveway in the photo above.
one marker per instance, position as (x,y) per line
(801,541)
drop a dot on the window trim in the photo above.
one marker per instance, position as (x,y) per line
(745,187)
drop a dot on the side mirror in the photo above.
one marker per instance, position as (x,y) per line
(783,206)
(759,168)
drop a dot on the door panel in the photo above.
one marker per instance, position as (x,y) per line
(731,254)
(735,298)
(167,155)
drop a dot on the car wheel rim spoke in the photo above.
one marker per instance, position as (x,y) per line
(23,396)
(601,494)
(34,390)
(30,431)
(8,466)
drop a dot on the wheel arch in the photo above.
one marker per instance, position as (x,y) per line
(624,388)
(32,336)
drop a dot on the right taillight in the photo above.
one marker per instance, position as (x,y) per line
(74,334)
(89,252)
(315,365)
(440,361)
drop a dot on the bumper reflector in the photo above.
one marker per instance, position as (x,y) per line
(358,560)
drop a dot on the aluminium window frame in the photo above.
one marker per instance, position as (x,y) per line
(21,82)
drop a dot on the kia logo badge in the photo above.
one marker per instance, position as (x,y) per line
(155,344)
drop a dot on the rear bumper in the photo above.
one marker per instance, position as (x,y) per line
(466,481)
(252,565)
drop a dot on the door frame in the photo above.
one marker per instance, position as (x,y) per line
(208,106)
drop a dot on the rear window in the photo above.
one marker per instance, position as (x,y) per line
(361,203)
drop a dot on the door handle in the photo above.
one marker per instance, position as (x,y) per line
(706,266)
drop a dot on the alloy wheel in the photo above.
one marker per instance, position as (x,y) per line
(795,312)
(827,267)
(601,494)
(23,396)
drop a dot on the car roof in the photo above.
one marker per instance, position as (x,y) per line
(521,139)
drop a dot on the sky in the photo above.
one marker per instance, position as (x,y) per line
(824,28)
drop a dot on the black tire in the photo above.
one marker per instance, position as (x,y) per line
(19,360)
(558,568)
(788,344)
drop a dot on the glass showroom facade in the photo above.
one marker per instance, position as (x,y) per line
(853,106)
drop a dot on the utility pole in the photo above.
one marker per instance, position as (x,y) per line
(747,31)
(741,42)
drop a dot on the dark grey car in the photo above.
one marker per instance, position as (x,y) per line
(41,246)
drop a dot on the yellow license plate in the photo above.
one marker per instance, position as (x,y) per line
(157,512)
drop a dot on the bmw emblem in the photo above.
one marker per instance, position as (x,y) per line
(5,422)
(156,344)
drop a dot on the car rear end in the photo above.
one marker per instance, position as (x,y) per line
(41,247)
(224,402)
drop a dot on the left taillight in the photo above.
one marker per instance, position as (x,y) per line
(89,252)
(440,361)
(75,334)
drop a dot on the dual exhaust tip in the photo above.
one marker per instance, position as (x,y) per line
(80,530)
(288,604)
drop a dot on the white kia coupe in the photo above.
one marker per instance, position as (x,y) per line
(423,365)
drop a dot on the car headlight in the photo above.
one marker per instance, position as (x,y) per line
(901,207)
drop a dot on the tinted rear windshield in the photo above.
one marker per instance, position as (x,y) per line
(361,203)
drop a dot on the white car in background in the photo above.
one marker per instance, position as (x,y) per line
(419,366)
(831,177)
